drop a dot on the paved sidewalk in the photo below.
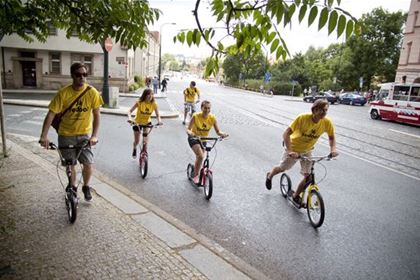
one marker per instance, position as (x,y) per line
(41,98)
(117,236)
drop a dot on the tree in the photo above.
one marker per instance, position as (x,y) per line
(252,67)
(252,24)
(167,59)
(376,52)
(123,20)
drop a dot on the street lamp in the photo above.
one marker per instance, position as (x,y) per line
(160,47)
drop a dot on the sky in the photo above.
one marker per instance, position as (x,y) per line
(298,37)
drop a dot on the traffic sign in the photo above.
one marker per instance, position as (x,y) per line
(108,44)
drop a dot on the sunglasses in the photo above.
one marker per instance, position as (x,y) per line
(79,75)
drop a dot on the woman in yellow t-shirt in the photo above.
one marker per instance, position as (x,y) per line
(145,107)
(200,125)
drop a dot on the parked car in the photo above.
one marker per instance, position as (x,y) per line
(321,95)
(352,99)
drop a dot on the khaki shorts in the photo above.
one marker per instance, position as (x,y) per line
(287,162)
(86,157)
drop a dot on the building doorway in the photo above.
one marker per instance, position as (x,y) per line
(28,73)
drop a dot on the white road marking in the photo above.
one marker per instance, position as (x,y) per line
(321,143)
(405,133)
(14,115)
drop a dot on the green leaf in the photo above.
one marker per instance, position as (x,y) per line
(323,17)
(332,22)
(181,37)
(302,12)
(312,15)
(220,46)
(189,38)
(349,29)
(341,25)
(271,37)
(239,40)
(279,14)
(290,12)
(279,52)
(274,45)
(330,3)
(220,16)
(206,34)
(197,37)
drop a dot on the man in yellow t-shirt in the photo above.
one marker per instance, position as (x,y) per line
(191,96)
(79,125)
(200,125)
(300,138)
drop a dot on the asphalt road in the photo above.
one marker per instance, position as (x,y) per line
(371,192)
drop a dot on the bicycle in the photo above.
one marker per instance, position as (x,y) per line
(143,156)
(70,197)
(314,201)
(206,174)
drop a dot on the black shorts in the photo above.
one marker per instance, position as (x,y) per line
(140,127)
(194,141)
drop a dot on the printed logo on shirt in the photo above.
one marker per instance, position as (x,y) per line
(78,108)
(312,134)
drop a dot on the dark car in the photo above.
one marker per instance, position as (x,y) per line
(352,99)
(321,95)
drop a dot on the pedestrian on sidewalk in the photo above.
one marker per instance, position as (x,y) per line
(79,124)
(155,83)
(164,85)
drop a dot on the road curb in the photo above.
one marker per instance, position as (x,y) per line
(119,112)
(240,269)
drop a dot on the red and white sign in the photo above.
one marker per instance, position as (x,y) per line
(108,44)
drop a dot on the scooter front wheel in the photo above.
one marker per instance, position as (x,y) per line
(190,171)
(285,184)
(316,208)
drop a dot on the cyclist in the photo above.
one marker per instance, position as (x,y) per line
(190,94)
(145,107)
(200,125)
(300,138)
(78,125)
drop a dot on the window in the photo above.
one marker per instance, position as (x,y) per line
(51,29)
(401,93)
(55,63)
(408,51)
(27,54)
(120,60)
(87,60)
(415,94)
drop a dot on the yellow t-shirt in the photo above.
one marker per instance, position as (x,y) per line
(78,119)
(190,94)
(203,125)
(306,132)
(144,112)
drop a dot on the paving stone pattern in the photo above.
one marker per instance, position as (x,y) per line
(37,241)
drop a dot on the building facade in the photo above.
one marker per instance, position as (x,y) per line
(47,65)
(409,63)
